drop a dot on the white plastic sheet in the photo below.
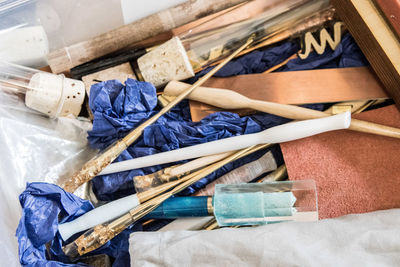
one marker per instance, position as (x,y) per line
(33,148)
(371,239)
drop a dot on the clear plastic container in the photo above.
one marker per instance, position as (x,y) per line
(192,51)
(263,203)
(207,47)
(50,94)
(30,29)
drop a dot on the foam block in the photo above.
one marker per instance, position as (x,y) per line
(355,172)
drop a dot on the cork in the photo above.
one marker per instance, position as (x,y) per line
(55,95)
(74,94)
(165,63)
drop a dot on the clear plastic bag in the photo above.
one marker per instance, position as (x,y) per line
(33,148)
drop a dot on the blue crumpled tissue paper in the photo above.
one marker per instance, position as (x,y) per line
(117,109)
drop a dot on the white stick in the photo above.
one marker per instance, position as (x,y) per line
(282,133)
(189,223)
(198,163)
(99,215)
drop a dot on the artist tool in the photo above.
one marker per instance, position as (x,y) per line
(96,165)
(279,174)
(146,182)
(110,211)
(187,223)
(277,134)
(208,223)
(100,234)
(247,204)
(178,58)
(50,94)
(198,223)
(228,99)
(64,59)
(118,207)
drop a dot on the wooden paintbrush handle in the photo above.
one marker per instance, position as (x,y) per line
(287,111)
(374,128)
(299,113)
(227,99)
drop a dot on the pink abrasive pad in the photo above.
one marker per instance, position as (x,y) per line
(355,172)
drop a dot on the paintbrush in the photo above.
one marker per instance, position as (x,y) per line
(116,208)
(228,99)
(101,234)
(111,210)
(96,165)
(276,134)
(169,174)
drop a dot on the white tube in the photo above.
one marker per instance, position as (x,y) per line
(198,163)
(102,214)
(188,223)
(278,134)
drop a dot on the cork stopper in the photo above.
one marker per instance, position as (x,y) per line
(55,95)
(74,94)
(165,63)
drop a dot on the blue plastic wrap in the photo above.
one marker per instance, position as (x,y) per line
(42,203)
(42,206)
(347,54)
(172,131)
(117,110)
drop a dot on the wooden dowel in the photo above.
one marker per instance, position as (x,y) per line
(228,99)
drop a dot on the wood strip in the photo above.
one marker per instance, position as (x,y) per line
(298,87)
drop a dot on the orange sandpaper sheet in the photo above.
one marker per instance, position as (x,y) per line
(355,172)
(298,87)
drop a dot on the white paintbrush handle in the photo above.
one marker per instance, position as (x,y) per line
(102,214)
(198,163)
(300,129)
(282,133)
